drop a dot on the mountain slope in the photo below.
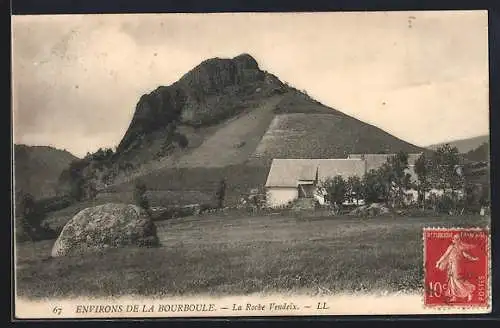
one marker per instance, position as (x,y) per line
(224,108)
(236,118)
(37,169)
(463,145)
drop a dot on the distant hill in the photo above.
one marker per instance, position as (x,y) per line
(463,145)
(37,169)
(479,154)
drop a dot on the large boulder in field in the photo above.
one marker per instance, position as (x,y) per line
(103,226)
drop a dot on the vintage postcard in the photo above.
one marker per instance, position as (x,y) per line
(251,164)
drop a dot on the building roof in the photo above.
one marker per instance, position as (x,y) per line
(288,172)
(374,161)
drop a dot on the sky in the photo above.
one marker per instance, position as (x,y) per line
(421,76)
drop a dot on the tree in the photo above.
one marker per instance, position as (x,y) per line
(445,161)
(140,198)
(355,187)
(375,187)
(74,178)
(473,197)
(396,176)
(445,170)
(28,206)
(31,216)
(423,166)
(335,190)
(221,194)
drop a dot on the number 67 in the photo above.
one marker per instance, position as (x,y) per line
(57,310)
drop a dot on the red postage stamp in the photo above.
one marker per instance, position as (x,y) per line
(456,267)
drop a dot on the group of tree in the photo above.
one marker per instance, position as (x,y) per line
(386,184)
(83,177)
(30,216)
(440,170)
(78,180)
(101,155)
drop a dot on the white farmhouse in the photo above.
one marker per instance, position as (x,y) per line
(290,179)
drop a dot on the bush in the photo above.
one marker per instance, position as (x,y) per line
(182,140)
(445,204)
(29,224)
(30,211)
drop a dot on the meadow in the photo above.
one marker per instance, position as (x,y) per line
(221,254)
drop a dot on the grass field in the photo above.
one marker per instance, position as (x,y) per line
(224,255)
(240,179)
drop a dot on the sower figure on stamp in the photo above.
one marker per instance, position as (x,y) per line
(457,287)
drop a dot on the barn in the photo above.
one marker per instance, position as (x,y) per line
(291,179)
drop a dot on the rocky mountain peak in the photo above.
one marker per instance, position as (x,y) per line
(210,92)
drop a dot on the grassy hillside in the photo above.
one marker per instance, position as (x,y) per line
(464,145)
(324,136)
(240,149)
(37,169)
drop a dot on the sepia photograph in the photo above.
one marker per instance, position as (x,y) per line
(251,164)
